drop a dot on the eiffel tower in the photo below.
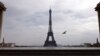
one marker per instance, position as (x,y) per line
(49,43)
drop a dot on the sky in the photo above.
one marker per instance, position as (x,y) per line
(25,22)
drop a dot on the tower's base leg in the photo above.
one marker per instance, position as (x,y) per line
(50,44)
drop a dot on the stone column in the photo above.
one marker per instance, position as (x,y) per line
(2,8)
(98,11)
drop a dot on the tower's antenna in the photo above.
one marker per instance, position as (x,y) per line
(51,3)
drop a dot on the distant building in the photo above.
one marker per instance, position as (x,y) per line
(97,44)
(87,45)
(7,45)
(3,44)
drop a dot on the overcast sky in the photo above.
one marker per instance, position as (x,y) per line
(26,21)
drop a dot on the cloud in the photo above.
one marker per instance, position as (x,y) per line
(26,22)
